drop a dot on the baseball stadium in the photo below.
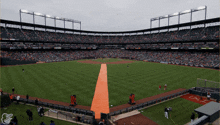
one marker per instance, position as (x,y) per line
(165,75)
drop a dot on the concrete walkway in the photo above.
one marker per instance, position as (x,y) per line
(125,115)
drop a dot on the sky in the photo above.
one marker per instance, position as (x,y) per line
(108,15)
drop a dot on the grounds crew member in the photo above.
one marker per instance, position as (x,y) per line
(11,97)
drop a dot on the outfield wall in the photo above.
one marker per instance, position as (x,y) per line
(8,61)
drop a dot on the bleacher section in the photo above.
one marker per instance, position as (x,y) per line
(209,33)
(199,59)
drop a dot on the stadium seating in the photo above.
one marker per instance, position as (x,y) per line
(211,32)
(186,58)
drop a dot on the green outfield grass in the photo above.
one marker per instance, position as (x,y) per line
(181,112)
(57,81)
(54,81)
(144,78)
(108,60)
(20,112)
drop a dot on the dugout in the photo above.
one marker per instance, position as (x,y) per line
(210,111)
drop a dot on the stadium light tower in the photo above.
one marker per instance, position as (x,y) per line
(179,14)
(48,16)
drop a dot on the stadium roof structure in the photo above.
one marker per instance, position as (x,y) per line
(168,16)
(48,16)
(213,20)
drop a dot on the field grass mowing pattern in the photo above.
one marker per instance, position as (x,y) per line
(57,81)
(144,78)
(180,114)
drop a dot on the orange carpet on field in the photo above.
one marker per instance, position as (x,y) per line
(100,102)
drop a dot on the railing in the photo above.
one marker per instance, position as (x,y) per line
(214,95)
(63,112)
(70,116)
(201,121)
(149,103)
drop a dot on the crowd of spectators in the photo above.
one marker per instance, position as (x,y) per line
(174,45)
(45,46)
(208,33)
(129,46)
(184,58)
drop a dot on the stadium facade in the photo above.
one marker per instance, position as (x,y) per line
(192,44)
